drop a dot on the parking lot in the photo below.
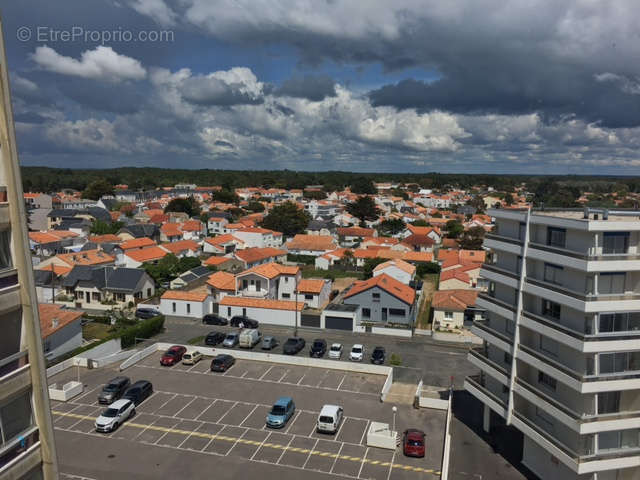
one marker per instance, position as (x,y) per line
(219,419)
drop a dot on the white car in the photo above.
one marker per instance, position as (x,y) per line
(191,358)
(335,351)
(115,415)
(357,353)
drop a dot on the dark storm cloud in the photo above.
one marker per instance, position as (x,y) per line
(311,87)
(208,91)
(103,97)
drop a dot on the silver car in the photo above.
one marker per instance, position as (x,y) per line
(269,343)
(115,415)
(231,340)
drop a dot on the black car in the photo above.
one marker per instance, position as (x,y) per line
(145,313)
(113,390)
(213,319)
(222,363)
(318,348)
(214,338)
(243,322)
(138,392)
(378,355)
(293,345)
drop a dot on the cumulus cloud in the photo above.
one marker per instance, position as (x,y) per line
(312,87)
(158,10)
(103,63)
(235,86)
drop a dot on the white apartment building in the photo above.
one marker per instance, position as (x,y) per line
(561,354)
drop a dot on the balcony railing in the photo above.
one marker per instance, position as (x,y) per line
(550,438)
(583,256)
(486,326)
(494,300)
(580,295)
(18,446)
(500,271)
(478,352)
(13,362)
(550,400)
(8,278)
(501,238)
(478,382)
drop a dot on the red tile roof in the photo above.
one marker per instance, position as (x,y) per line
(147,254)
(312,243)
(180,246)
(193,296)
(222,281)
(137,243)
(251,255)
(272,270)
(457,300)
(311,285)
(231,301)
(386,283)
(53,318)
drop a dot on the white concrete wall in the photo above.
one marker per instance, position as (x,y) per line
(196,310)
(263,315)
(392,332)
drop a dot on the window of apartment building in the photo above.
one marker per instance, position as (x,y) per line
(188,308)
(375,297)
(397,312)
(366,313)
(173,307)
(228,311)
(611,283)
(547,380)
(550,309)
(15,416)
(548,346)
(510,327)
(519,264)
(505,389)
(620,439)
(492,289)
(5,249)
(608,402)
(448,315)
(553,273)
(308,296)
(615,242)
(522,228)
(619,322)
(556,237)
(507,358)
(619,362)
(286,295)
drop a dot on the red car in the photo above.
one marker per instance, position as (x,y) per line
(413,443)
(172,356)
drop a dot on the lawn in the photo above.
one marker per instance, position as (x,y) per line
(311,272)
(429,286)
(96,330)
(196,340)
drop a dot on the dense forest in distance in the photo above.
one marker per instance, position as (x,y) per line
(553,190)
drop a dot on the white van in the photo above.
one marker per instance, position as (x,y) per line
(330,419)
(249,338)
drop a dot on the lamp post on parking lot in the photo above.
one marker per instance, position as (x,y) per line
(295,312)
(394,410)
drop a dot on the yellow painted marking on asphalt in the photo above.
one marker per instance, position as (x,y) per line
(277,446)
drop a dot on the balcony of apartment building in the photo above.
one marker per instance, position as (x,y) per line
(491,360)
(9,287)
(480,386)
(495,330)
(4,207)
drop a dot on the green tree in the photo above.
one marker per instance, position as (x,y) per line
(472,239)
(421,223)
(363,185)
(187,263)
(391,227)
(225,196)
(255,207)
(363,209)
(98,227)
(287,218)
(314,194)
(370,264)
(97,189)
(424,268)
(165,270)
(188,205)
(454,229)
(508,199)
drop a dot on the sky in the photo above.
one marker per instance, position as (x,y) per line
(475,86)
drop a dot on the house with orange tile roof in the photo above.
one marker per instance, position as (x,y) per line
(85,257)
(314,292)
(182,248)
(51,242)
(350,236)
(221,284)
(269,280)
(399,269)
(315,245)
(107,238)
(327,260)
(419,243)
(136,257)
(250,257)
(182,303)
(452,307)
(432,232)
(224,244)
(228,264)
(462,277)
(258,237)
(267,311)
(383,300)
(136,243)
(61,329)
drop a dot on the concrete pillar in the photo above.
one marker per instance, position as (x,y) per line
(486,419)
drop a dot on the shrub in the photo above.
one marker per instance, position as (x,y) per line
(144,329)
(395,360)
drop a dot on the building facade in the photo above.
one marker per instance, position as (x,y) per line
(561,354)
(27,449)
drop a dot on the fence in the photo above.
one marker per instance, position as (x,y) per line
(139,356)
(446,451)
(394,332)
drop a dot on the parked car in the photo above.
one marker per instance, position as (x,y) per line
(281,412)
(144,313)
(138,392)
(413,443)
(269,343)
(113,390)
(214,338)
(243,322)
(173,355)
(231,340)
(115,415)
(191,358)
(357,353)
(330,418)
(222,363)
(378,355)
(335,351)
(293,345)
(213,319)
(249,338)
(318,348)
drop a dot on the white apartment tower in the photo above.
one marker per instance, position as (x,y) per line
(561,355)
(26,432)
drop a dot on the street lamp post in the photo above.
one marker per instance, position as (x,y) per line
(295,312)
(394,410)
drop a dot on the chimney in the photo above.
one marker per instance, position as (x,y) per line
(55,322)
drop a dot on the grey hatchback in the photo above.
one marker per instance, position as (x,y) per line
(113,390)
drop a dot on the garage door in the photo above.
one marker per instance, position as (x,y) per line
(308,320)
(338,323)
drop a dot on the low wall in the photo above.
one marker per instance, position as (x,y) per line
(136,357)
(103,350)
(387,385)
(380,435)
(394,332)
(446,451)
(116,357)
(59,367)
(456,338)
(419,331)
(68,391)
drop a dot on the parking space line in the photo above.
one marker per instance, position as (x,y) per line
(260,446)
(188,403)
(169,429)
(237,440)
(393,457)
(313,449)
(265,373)
(160,407)
(326,374)
(293,421)
(145,429)
(366,427)
(344,420)
(206,408)
(86,394)
(193,366)
(284,450)
(340,384)
(189,436)
(302,378)
(264,444)
(249,414)
(227,412)
(335,460)
(283,375)
(364,459)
